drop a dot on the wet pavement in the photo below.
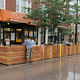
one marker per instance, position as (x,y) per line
(68,68)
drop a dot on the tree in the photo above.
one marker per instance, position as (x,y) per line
(49,13)
(74,12)
(52,13)
(67,31)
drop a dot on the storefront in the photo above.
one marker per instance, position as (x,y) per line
(16,27)
(13,25)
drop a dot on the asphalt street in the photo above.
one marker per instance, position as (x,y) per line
(68,68)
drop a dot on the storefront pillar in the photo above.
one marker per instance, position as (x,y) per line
(15,35)
(10,36)
(33,34)
(39,36)
(51,34)
(46,37)
(44,34)
(28,32)
(58,36)
(0,34)
(61,36)
(3,37)
(23,35)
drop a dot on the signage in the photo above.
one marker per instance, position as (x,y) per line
(14,16)
(10,16)
(0,16)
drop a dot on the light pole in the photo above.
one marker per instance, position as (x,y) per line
(76,23)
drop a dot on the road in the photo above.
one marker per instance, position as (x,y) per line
(68,68)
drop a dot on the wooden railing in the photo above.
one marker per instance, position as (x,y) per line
(16,54)
(12,55)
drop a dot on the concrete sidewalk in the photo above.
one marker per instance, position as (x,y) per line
(53,69)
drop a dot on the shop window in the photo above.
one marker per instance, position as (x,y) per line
(1,33)
(18,35)
(73,10)
(2,4)
(20,4)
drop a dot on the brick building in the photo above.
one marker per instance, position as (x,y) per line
(16,5)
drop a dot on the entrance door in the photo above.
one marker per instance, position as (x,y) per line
(19,35)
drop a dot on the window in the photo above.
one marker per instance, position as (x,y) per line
(20,4)
(42,6)
(2,4)
(73,8)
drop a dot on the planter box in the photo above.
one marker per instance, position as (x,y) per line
(64,50)
(55,51)
(12,55)
(12,60)
(36,53)
(72,50)
(78,49)
(46,52)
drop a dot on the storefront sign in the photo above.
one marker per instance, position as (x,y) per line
(0,16)
(13,16)
(10,16)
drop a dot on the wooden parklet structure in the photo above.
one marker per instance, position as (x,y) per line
(14,25)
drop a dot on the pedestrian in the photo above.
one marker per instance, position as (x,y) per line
(7,40)
(28,44)
(33,43)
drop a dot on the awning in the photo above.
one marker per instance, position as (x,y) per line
(64,26)
(10,16)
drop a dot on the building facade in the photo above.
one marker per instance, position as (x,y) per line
(13,9)
(16,5)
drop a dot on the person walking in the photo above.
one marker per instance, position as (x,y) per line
(28,44)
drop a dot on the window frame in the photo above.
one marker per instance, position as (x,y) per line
(4,5)
(20,6)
